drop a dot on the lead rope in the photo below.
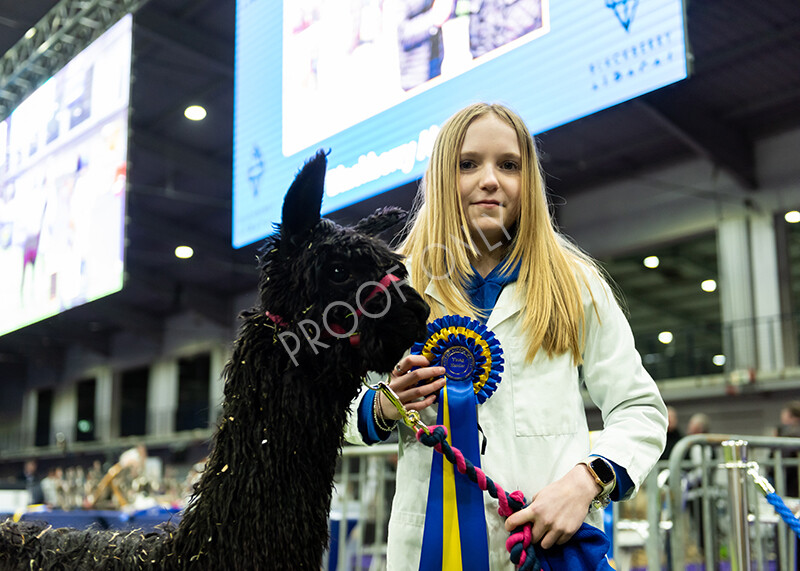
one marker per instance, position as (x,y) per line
(786,514)
(773,498)
(519,544)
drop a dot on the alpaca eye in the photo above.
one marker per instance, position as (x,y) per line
(339,273)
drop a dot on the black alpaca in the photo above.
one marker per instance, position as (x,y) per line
(333,304)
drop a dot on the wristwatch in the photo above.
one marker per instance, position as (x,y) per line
(604,475)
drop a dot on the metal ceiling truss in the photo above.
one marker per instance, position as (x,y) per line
(60,35)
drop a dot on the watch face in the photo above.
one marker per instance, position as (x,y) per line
(603,470)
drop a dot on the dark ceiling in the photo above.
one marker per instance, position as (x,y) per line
(745,85)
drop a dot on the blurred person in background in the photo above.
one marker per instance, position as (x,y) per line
(673,432)
(31,480)
(790,427)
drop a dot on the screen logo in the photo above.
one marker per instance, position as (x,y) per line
(625,10)
(256,169)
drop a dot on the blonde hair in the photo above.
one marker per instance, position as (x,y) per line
(438,244)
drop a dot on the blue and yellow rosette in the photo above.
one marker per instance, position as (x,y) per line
(455,526)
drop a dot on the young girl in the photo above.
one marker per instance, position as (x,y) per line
(483,244)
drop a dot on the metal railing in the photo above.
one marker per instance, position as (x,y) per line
(684,502)
(364,488)
(718,498)
(765,344)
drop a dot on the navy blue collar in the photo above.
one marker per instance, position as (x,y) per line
(483,292)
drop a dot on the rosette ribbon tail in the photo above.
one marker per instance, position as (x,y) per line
(454,538)
(455,526)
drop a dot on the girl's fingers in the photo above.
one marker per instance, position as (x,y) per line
(421,397)
(422,404)
(415,392)
(407,363)
(410,361)
(412,378)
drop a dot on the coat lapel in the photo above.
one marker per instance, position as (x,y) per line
(507,306)
(433,291)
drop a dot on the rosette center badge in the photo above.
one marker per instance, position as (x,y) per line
(467,350)
(459,363)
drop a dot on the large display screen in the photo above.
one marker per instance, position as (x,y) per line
(372,80)
(63,158)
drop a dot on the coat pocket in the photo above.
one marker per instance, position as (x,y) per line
(546,395)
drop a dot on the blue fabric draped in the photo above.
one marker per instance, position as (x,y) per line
(483,292)
(585,551)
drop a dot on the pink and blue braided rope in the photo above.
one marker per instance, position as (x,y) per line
(519,544)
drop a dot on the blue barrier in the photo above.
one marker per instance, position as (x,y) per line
(104,519)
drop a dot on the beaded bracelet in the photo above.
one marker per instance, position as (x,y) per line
(378,417)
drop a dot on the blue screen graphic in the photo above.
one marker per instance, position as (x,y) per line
(372,81)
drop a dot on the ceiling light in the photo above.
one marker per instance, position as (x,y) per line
(651,262)
(30,33)
(718,360)
(184,252)
(195,113)
(793,216)
(708,285)
(665,337)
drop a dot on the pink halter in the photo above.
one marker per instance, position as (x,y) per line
(355,338)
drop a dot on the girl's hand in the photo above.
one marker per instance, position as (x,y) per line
(404,382)
(558,509)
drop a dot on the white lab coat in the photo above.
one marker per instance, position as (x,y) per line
(535,423)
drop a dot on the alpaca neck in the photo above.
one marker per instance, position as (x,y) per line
(266,489)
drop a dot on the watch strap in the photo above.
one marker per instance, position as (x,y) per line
(605,477)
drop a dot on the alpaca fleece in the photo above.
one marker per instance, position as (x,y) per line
(264,497)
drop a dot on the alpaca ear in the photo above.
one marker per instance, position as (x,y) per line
(303,200)
(380,220)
